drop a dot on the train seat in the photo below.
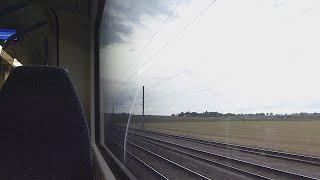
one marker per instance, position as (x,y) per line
(43,129)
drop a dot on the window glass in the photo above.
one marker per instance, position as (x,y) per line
(208,89)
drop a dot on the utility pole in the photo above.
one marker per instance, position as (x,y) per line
(142,126)
(112,106)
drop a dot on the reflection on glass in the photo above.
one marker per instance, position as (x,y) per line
(241,74)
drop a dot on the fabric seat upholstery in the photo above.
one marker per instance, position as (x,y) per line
(43,129)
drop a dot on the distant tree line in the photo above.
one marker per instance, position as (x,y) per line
(218,114)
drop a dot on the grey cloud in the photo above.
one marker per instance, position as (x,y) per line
(120,15)
(113,31)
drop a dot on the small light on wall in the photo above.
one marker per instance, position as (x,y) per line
(16,63)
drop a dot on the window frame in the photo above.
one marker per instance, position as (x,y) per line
(116,166)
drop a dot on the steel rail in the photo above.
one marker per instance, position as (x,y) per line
(259,151)
(248,164)
(141,161)
(167,160)
(216,163)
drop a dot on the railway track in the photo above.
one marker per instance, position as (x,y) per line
(238,166)
(229,170)
(259,151)
(157,173)
(191,174)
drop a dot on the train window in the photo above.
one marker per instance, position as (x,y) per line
(208,89)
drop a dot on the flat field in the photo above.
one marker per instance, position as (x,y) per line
(297,136)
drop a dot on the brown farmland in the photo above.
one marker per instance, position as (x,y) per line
(297,136)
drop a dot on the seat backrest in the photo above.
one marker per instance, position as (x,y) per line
(43,129)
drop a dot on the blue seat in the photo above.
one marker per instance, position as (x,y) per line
(43,129)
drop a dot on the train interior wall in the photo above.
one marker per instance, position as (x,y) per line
(76,41)
(74,46)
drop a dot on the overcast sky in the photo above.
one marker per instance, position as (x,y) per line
(243,56)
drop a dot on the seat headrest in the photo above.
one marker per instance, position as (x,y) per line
(43,129)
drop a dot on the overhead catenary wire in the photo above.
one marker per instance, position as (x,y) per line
(198,85)
(162,47)
(310,9)
(164,22)
(159,83)
(151,39)
(166,97)
(189,93)
(145,82)
(175,37)
(167,79)
(170,78)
